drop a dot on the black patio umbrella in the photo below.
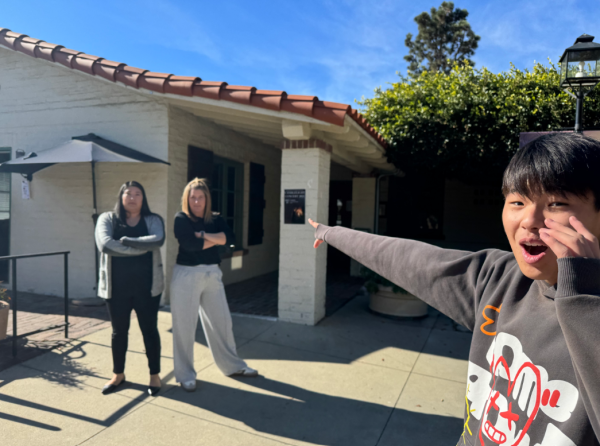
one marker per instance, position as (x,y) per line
(81,149)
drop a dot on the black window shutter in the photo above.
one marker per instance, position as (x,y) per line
(200,163)
(257,204)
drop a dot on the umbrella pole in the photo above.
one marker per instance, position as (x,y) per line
(95,219)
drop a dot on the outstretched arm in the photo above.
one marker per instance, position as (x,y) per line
(449,280)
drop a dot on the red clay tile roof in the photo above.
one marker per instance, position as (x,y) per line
(311,106)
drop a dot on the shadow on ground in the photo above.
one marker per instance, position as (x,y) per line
(355,332)
(296,413)
(337,383)
(70,375)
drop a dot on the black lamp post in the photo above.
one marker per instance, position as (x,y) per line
(580,71)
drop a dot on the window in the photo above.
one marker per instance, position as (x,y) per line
(200,163)
(257,204)
(228,195)
(415,207)
(4,216)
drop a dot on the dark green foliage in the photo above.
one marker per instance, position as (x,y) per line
(445,37)
(374,280)
(466,124)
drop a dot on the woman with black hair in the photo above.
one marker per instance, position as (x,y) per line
(131,277)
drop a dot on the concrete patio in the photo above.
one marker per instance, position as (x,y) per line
(354,379)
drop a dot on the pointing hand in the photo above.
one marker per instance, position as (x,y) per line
(315,225)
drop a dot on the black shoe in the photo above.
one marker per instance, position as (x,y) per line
(110,388)
(152,391)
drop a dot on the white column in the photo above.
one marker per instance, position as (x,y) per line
(302,269)
(363,210)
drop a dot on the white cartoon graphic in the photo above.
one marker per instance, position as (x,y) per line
(507,398)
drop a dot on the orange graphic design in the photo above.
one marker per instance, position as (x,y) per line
(488,320)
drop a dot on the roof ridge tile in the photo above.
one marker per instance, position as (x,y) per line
(311,106)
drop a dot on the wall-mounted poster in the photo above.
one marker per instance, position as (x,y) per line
(294,200)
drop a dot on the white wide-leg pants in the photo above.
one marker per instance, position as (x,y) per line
(199,290)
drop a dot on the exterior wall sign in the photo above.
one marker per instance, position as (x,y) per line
(25,193)
(294,202)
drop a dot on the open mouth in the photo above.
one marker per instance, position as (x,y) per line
(533,251)
(494,434)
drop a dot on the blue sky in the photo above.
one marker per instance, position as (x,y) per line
(339,50)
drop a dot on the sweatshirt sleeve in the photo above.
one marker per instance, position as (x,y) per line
(222,226)
(154,240)
(185,234)
(449,280)
(105,242)
(578,310)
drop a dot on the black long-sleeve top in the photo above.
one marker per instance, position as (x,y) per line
(191,248)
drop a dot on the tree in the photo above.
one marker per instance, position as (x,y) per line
(466,124)
(445,37)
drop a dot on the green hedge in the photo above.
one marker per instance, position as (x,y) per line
(466,124)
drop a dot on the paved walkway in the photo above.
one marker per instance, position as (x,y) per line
(258,295)
(36,312)
(355,379)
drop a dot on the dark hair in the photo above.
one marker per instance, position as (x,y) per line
(556,163)
(119,209)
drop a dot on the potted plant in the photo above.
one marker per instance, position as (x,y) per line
(389,299)
(4,307)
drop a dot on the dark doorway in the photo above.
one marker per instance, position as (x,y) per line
(4,216)
(340,214)
(415,207)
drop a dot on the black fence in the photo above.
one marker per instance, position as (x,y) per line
(15,295)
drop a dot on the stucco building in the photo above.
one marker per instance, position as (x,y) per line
(252,144)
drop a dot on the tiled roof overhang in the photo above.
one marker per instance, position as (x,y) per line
(330,112)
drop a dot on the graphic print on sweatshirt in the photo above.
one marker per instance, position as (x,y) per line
(507,399)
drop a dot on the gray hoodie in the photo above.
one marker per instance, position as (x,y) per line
(534,363)
(129,247)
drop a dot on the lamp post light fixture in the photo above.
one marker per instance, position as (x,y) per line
(580,71)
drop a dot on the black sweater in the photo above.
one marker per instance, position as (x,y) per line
(191,248)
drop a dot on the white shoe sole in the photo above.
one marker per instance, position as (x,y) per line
(188,389)
(246,375)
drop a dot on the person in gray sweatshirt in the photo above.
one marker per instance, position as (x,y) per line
(534,362)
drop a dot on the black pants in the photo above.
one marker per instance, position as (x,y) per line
(146,309)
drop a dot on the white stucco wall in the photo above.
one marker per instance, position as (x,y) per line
(186,129)
(42,105)
(303,269)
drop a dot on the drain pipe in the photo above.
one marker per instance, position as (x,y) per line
(395,173)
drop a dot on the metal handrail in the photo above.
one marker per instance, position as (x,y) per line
(15,294)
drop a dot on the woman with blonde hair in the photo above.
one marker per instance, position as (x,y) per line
(197,288)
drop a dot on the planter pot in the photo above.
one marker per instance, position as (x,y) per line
(4,307)
(385,301)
